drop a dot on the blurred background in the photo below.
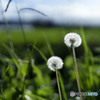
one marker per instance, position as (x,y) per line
(31,31)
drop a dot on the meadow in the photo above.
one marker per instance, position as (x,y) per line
(23,71)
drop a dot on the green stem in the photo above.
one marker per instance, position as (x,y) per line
(76,69)
(21,25)
(6,27)
(58,85)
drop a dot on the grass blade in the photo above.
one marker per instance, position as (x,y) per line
(6,26)
(8,5)
(62,87)
(50,49)
(33,10)
(12,54)
(42,55)
(88,54)
(34,97)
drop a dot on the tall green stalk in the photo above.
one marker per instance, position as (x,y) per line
(7,29)
(76,69)
(21,25)
(19,18)
(58,85)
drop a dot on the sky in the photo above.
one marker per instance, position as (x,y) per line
(81,12)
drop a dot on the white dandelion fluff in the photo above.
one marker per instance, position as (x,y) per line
(54,63)
(72,39)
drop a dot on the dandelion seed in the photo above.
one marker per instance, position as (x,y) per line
(72,39)
(54,63)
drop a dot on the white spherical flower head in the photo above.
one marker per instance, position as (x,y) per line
(72,39)
(54,63)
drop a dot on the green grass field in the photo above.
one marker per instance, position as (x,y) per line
(24,72)
(54,35)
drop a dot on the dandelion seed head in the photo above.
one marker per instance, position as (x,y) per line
(72,39)
(54,63)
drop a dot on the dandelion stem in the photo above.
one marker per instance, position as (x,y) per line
(76,69)
(58,85)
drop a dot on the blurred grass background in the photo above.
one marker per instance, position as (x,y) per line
(54,34)
(23,70)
